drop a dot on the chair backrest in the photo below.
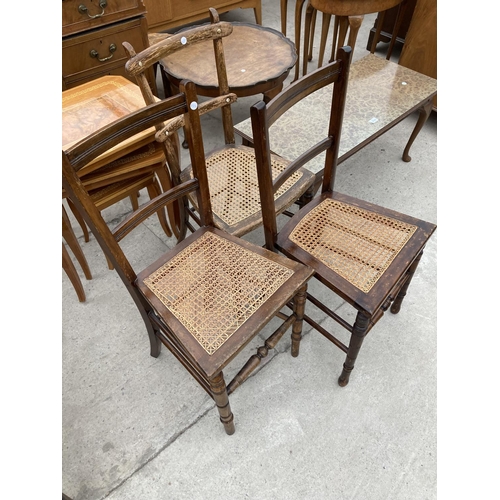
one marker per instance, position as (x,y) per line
(79,155)
(138,64)
(264,115)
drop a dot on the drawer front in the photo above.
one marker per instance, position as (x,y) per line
(90,55)
(82,15)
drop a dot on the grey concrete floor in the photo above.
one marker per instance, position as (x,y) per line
(136,427)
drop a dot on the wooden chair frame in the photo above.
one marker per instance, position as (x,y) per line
(163,324)
(391,286)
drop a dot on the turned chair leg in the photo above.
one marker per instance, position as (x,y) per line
(299,304)
(396,305)
(219,393)
(358,335)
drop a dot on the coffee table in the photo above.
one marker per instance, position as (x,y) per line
(380,94)
(258,60)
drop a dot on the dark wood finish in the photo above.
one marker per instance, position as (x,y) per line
(211,37)
(168,14)
(393,283)
(162,324)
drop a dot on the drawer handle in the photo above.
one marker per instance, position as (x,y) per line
(83,10)
(94,53)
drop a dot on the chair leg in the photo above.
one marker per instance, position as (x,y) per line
(258,13)
(71,272)
(359,331)
(70,238)
(307,34)
(154,190)
(311,38)
(298,18)
(299,304)
(154,342)
(396,305)
(424,113)
(79,219)
(219,393)
(283,8)
(325,27)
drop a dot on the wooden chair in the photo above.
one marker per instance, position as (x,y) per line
(208,297)
(364,253)
(113,181)
(231,168)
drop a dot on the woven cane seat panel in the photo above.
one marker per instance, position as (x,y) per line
(356,244)
(234,187)
(213,286)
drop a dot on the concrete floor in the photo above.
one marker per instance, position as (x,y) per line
(135,427)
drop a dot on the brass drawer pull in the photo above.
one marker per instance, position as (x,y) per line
(94,53)
(82,9)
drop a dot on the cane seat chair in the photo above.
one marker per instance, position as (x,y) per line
(363,253)
(231,168)
(210,295)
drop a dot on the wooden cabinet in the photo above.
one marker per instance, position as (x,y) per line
(93,32)
(166,14)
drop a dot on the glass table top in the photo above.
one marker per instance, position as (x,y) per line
(379,93)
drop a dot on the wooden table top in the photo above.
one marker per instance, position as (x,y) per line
(93,105)
(379,94)
(258,59)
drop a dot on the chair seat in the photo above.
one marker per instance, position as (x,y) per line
(223,288)
(361,248)
(234,187)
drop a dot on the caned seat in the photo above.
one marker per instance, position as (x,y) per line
(234,187)
(232,173)
(210,295)
(363,253)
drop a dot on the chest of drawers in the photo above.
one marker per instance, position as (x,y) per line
(93,32)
